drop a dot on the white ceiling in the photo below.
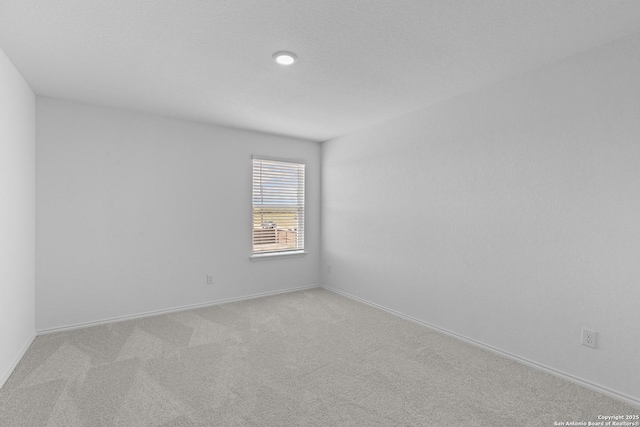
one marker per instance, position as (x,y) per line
(360,61)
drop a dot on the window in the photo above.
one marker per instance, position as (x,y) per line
(278,207)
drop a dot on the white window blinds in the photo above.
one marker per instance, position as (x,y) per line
(278,206)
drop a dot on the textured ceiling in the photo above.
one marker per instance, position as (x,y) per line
(360,61)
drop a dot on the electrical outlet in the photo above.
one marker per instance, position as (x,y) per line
(328,268)
(209,279)
(589,338)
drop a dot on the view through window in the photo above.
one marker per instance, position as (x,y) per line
(278,206)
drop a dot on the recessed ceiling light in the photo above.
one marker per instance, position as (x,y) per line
(285,58)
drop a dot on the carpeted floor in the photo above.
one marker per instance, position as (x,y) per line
(308,358)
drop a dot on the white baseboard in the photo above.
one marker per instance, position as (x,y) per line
(5,376)
(168,310)
(584,383)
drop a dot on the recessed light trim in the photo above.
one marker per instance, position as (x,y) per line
(284,58)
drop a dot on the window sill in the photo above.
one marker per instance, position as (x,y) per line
(277,255)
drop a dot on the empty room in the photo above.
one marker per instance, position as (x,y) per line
(319,213)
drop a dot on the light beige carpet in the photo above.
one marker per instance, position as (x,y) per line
(309,358)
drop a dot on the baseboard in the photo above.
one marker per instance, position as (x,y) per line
(9,371)
(563,375)
(169,310)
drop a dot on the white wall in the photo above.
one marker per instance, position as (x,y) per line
(509,215)
(135,210)
(17,215)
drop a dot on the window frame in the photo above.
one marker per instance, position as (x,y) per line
(270,255)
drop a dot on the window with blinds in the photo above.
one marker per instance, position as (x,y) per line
(278,206)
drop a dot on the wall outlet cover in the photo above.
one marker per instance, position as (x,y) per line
(588,338)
